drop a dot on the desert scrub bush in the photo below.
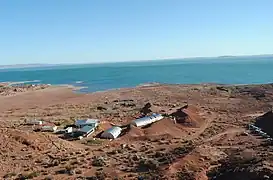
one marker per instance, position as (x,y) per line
(147,165)
(33,175)
(64,122)
(9,175)
(185,175)
(151,175)
(98,176)
(78,171)
(92,142)
(118,178)
(75,162)
(98,161)
(67,170)
(28,176)
(48,178)
(184,149)
(159,154)
(101,175)
(113,152)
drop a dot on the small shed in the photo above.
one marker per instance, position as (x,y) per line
(87,122)
(87,130)
(111,133)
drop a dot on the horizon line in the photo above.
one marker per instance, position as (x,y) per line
(6,66)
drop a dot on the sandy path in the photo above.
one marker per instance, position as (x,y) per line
(229,131)
(207,124)
(26,100)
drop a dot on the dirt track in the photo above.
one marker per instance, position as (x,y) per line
(215,130)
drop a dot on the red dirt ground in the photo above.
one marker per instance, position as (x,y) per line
(214,126)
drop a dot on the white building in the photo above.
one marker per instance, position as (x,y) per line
(87,130)
(157,116)
(51,128)
(147,120)
(34,122)
(87,122)
(68,130)
(111,133)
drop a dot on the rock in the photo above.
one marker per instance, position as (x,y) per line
(123,146)
(221,88)
(71,172)
(146,109)
(135,157)
(128,104)
(100,108)
(98,161)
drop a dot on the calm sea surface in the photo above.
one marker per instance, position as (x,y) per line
(98,77)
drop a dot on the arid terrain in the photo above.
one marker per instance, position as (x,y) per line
(210,139)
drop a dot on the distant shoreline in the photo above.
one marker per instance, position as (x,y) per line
(11,83)
(77,89)
(19,66)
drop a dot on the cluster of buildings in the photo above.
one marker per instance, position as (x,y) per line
(115,131)
(86,127)
(82,128)
(42,125)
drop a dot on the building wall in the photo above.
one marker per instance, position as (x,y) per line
(69,130)
(49,128)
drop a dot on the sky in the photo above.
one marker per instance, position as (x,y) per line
(93,31)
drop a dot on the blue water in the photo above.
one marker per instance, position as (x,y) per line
(98,77)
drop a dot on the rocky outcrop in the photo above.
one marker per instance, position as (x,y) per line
(146,109)
(6,90)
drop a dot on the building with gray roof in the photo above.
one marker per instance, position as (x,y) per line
(111,133)
(147,120)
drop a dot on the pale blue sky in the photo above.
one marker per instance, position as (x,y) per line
(87,31)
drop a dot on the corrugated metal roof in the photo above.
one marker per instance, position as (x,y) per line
(147,120)
(158,116)
(112,132)
(86,121)
(86,129)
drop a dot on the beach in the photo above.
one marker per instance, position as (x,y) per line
(217,117)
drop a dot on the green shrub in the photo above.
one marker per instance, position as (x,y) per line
(98,162)
(147,165)
(92,142)
(9,175)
